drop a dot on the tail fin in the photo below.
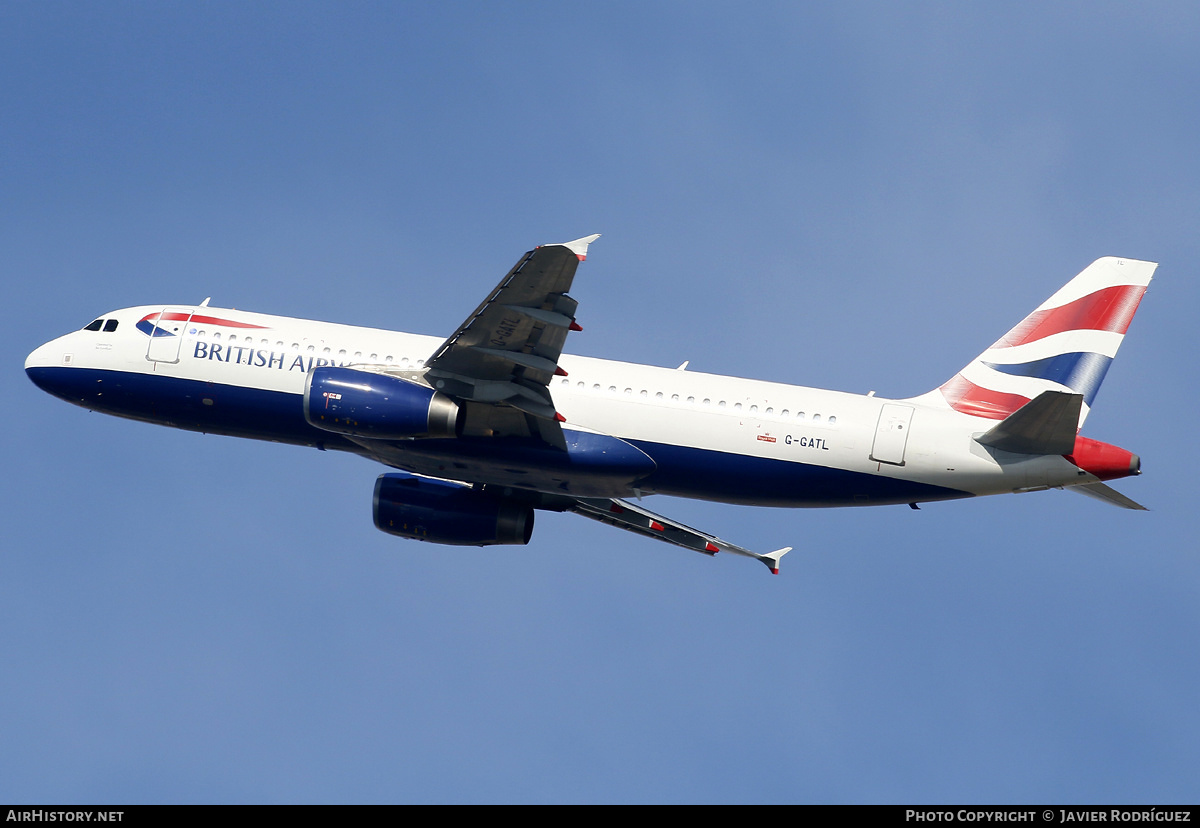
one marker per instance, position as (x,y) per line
(1066,344)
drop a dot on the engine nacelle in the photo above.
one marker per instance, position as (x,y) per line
(363,404)
(441,512)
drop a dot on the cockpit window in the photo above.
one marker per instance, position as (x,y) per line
(110,326)
(95,326)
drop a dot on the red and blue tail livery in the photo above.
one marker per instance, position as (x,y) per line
(485,427)
(1067,343)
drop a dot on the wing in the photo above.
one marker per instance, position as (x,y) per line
(501,359)
(628,516)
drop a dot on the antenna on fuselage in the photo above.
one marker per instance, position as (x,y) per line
(204,304)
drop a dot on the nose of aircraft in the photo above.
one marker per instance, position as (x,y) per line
(39,357)
(45,362)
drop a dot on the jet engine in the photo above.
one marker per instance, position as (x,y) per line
(379,406)
(440,512)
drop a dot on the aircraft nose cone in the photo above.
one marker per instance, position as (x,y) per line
(45,366)
(39,358)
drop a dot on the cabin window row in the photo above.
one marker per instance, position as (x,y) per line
(753,408)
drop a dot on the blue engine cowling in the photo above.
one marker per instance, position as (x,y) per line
(441,512)
(364,404)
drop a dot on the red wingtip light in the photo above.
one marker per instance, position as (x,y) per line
(710,547)
(575,326)
(656,526)
(559,372)
(559,417)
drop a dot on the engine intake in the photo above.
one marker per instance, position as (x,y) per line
(363,404)
(439,512)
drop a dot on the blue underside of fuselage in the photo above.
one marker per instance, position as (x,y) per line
(678,470)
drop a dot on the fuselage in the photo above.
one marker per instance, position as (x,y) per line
(729,439)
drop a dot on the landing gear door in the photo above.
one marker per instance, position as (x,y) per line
(166,329)
(891,434)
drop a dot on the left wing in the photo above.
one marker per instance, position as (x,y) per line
(625,515)
(507,351)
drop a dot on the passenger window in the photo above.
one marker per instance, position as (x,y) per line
(95,326)
(110,326)
(833,420)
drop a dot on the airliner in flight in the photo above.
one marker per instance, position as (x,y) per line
(496,422)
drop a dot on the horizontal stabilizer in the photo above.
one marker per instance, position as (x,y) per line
(1046,424)
(1108,494)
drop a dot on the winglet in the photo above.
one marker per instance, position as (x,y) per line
(771,559)
(579,246)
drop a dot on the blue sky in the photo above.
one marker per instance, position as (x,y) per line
(854,196)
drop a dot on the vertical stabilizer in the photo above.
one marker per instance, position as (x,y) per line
(1066,344)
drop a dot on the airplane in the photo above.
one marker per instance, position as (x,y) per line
(496,422)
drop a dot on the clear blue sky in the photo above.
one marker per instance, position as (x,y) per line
(855,196)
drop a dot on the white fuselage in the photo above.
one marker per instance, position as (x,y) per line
(711,437)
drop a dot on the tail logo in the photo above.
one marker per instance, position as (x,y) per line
(1067,343)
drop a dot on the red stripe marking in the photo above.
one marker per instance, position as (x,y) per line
(656,526)
(709,547)
(966,397)
(1110,309)
(201,320)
